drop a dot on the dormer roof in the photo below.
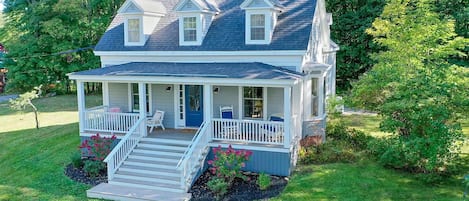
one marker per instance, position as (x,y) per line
(196,5)
(256,4)
(142,7)
(226,33)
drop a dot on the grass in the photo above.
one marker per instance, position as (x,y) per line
(366,179)
(361,181)
(32,161)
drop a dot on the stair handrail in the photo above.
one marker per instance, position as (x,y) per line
(190,148)
(122,150)
(194,156)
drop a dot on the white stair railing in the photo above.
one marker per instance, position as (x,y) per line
(194,156)
(122,150)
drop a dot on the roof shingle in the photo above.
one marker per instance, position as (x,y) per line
(226,32)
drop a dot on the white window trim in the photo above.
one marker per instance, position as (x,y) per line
(198,25)
(180,123)
(268,27)
(131,95)
(126,31)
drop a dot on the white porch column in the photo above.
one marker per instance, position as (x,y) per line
(321,97)
(207,102)
(81,105)
(106,94)
(287,121)
(142,102)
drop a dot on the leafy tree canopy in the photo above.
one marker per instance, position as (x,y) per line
(35,31)
(414,87)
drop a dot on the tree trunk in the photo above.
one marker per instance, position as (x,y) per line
(35,113)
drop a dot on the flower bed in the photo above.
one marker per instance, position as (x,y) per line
(239,190)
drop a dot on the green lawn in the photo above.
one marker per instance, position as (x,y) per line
(32,161)
(363,181)
(366,180)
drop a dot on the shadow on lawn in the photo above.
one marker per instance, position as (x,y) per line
(33,164)
(364,180)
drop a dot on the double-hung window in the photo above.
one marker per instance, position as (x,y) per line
(253,102)
(133,30)
(190,29)
(135,104)
(257,27)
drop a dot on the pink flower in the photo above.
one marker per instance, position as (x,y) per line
(210,162)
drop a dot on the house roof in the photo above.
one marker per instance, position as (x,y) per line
(147,6)
(201,70)
(226,32)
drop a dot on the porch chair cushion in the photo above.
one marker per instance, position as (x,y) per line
(226,112)
(156,120)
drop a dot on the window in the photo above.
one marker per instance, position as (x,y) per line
(314,97)
(258,27)
(190,29)
(133,30)
(253,102)
(135,105)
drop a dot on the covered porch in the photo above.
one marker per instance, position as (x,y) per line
(256,97)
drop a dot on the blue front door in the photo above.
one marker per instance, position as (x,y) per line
(194,105)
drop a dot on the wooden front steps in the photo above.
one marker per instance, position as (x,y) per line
(149,173)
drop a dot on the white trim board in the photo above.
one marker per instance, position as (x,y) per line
(201,53)
(186,80)
(251,147)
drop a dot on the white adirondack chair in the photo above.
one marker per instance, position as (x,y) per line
(156,120)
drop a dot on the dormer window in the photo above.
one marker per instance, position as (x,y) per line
(140,19)
(261,18)
(195,17)
(133,30)
(257,27)
(190,29)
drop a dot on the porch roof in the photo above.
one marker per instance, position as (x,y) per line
(253,70)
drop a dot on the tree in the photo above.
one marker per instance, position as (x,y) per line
(40,34)
(351,19)
(25,100)
(413,86)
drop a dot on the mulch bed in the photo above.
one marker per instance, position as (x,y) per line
(240,190)
(78,175)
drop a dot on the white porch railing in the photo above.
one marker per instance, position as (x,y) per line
(249,131)
(99,120)
(122,150)
(194,157)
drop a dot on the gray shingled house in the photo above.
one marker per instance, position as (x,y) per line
(251,73)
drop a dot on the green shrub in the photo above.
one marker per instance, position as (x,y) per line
(93,168)
(264,181)
(227,163)
(338,131)
(218,186)
(98,147)
(329,152)
(76,159)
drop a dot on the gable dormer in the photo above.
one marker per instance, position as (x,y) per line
(195,18)
(261,18)
(140,19)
